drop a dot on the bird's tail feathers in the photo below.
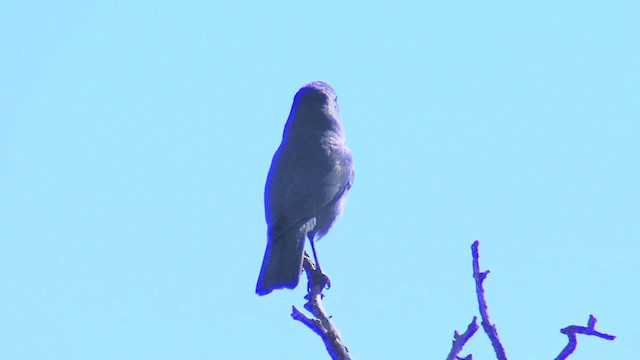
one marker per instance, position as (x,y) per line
(282,263)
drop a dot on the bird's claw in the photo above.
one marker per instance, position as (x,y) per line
(326,281)
(319,280)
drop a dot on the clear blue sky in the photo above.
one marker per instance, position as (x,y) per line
(135,138)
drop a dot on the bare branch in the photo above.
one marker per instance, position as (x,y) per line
(572,332)
(488,327)
(321,324)
(460,340)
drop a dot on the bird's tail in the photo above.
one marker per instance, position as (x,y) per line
(282,263)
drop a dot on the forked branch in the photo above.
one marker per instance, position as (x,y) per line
(572,332)
(321,324)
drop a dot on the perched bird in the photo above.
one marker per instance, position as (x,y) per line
(307,185)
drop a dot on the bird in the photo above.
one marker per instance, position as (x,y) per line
(307,185)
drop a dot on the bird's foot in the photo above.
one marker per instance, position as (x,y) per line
(318,280)
(324,280)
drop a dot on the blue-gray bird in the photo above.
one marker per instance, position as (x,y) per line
(307,185)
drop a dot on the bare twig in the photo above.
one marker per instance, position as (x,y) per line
(321,324)
(489,328)
(460,339)
(572,332)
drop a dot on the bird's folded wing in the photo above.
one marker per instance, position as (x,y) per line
(294,193)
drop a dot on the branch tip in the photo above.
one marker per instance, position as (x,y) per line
(489,328)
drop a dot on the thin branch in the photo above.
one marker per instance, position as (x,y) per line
(321,324)
(459,340)
(572,332)
(489,328)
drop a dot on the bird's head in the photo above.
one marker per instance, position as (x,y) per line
(316,95)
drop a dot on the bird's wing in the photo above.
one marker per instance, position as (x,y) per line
(295,190)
